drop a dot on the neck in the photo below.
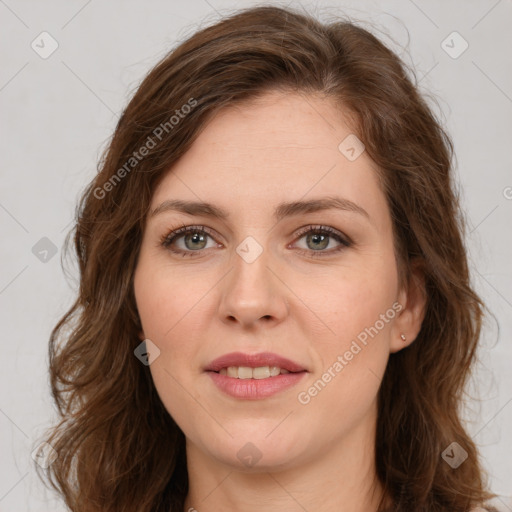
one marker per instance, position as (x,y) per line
(342,478)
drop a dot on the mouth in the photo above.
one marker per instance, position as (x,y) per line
(247,372)
(254,377)
(258,366)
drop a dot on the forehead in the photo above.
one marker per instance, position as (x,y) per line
(274,125)
(281,146)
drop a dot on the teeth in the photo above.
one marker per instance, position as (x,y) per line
(233,371)
(275,371)
(245,372)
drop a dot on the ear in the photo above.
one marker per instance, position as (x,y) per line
(141,335)
(413,299)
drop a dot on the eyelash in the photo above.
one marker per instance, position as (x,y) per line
(167,240)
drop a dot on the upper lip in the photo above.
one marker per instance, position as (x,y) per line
(253,361)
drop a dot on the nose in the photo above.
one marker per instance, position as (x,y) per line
(253,293)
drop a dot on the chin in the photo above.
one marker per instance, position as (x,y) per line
(257,453)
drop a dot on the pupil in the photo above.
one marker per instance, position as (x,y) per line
(324,237)
(196,237)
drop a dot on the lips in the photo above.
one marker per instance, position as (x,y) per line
(254,361)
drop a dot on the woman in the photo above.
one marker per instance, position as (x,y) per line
(274,307)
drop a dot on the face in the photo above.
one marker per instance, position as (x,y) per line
(316,285)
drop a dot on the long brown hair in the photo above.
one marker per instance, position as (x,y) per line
(118,448)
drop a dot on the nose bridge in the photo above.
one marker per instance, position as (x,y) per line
(252,291)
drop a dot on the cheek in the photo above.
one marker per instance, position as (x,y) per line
(168,300)
(347,381)
(352,343)
(169,304)
(347,303)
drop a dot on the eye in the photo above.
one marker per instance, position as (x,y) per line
(318,238)
(193,239)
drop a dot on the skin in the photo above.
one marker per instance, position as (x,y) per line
(315,456)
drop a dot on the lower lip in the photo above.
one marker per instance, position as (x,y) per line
(255,389)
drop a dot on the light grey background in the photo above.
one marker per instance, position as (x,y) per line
(58,114)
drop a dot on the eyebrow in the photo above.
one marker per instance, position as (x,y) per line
(282,210)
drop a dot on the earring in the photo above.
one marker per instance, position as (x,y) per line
(403,337)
